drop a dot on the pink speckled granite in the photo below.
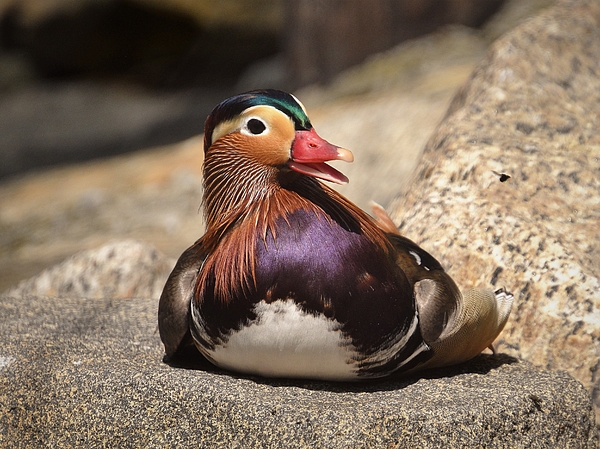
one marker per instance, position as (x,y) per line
(531,110)
(117,269)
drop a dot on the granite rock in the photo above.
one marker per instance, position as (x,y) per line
(118,269)
(507,191)
(89,373)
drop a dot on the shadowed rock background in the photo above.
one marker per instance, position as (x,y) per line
(506,193)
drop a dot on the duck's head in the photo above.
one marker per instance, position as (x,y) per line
(271,128)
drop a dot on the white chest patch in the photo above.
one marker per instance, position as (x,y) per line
(284,341)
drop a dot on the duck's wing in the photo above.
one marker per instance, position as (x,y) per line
(174,304)
(457,326)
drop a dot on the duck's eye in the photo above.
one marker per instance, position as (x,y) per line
(256,126)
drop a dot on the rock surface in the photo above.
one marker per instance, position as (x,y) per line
(154,196)
(529,111)
(88,373)
(119,269)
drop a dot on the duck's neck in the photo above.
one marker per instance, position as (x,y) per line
(238,188)
(234,185)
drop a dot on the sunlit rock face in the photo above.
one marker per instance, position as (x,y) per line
(507,192)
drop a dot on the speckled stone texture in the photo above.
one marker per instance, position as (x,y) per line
(531,111)
(88,373)
(118,269)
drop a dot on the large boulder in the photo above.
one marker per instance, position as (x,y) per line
(507,191)
(78,372)
(118,269)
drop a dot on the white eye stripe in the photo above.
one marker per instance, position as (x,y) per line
(299,103)
(241,124)
(274,120)
(224,128)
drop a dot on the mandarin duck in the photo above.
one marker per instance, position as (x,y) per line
(293,280)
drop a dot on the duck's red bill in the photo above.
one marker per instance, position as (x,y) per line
(310,152)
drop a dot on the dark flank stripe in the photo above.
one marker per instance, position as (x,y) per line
(415,352)
(216,319)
